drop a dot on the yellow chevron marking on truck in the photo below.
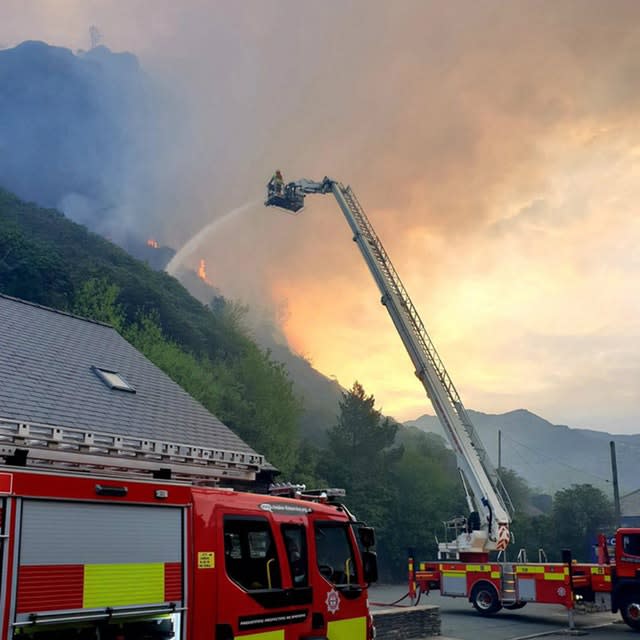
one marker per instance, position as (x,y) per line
(529,569)
(548,575)
(114,585)
(267,635)
(351,629)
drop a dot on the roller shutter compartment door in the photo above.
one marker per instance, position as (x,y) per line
(86,556)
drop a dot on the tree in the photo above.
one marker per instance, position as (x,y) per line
(534,534)
(531,530)
(266,413)
(29,270)
(428,492)
(579,513)
(517,488)
(304,471)
(360,455)
(360,439)
(98,299)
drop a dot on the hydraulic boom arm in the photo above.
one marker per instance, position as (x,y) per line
(486,497)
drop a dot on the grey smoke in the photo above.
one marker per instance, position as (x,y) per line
(85,133)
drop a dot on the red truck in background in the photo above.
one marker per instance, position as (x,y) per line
(491,586)
(88,556)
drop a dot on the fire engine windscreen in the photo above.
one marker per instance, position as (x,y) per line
(336,560)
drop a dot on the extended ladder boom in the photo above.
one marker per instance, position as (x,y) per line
(485,493)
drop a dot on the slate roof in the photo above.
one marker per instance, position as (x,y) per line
(46,376)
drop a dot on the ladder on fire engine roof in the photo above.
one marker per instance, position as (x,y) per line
(56,447)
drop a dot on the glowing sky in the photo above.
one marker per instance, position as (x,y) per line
(495,147)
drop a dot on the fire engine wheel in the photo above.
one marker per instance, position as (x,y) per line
(630,609)
(484,598)
(514,606)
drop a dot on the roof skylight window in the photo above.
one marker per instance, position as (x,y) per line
(113,379)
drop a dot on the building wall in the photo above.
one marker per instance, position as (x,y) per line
(630,504)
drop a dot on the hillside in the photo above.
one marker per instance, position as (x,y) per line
(550,456)
(320,395)
(45,257)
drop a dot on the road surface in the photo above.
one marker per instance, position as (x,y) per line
(460,620)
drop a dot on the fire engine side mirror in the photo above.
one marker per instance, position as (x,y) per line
(367,537)
(370,566)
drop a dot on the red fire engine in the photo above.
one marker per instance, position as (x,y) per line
(492,586)
(463,568)
(115,557)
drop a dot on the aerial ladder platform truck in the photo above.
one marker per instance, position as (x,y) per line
(472,564)
(114,538)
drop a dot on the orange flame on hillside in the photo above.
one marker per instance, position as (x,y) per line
(153,243)
(202,271)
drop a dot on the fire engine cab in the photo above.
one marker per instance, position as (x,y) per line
(106,555)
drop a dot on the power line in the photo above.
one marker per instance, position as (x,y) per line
(625,444)
(551,459)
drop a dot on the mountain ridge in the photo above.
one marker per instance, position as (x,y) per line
(549,456)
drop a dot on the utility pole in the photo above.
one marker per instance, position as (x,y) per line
(616,492)
(499,450)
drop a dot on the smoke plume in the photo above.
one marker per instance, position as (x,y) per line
(494,146)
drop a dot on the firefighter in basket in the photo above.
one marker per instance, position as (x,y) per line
(276,184)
